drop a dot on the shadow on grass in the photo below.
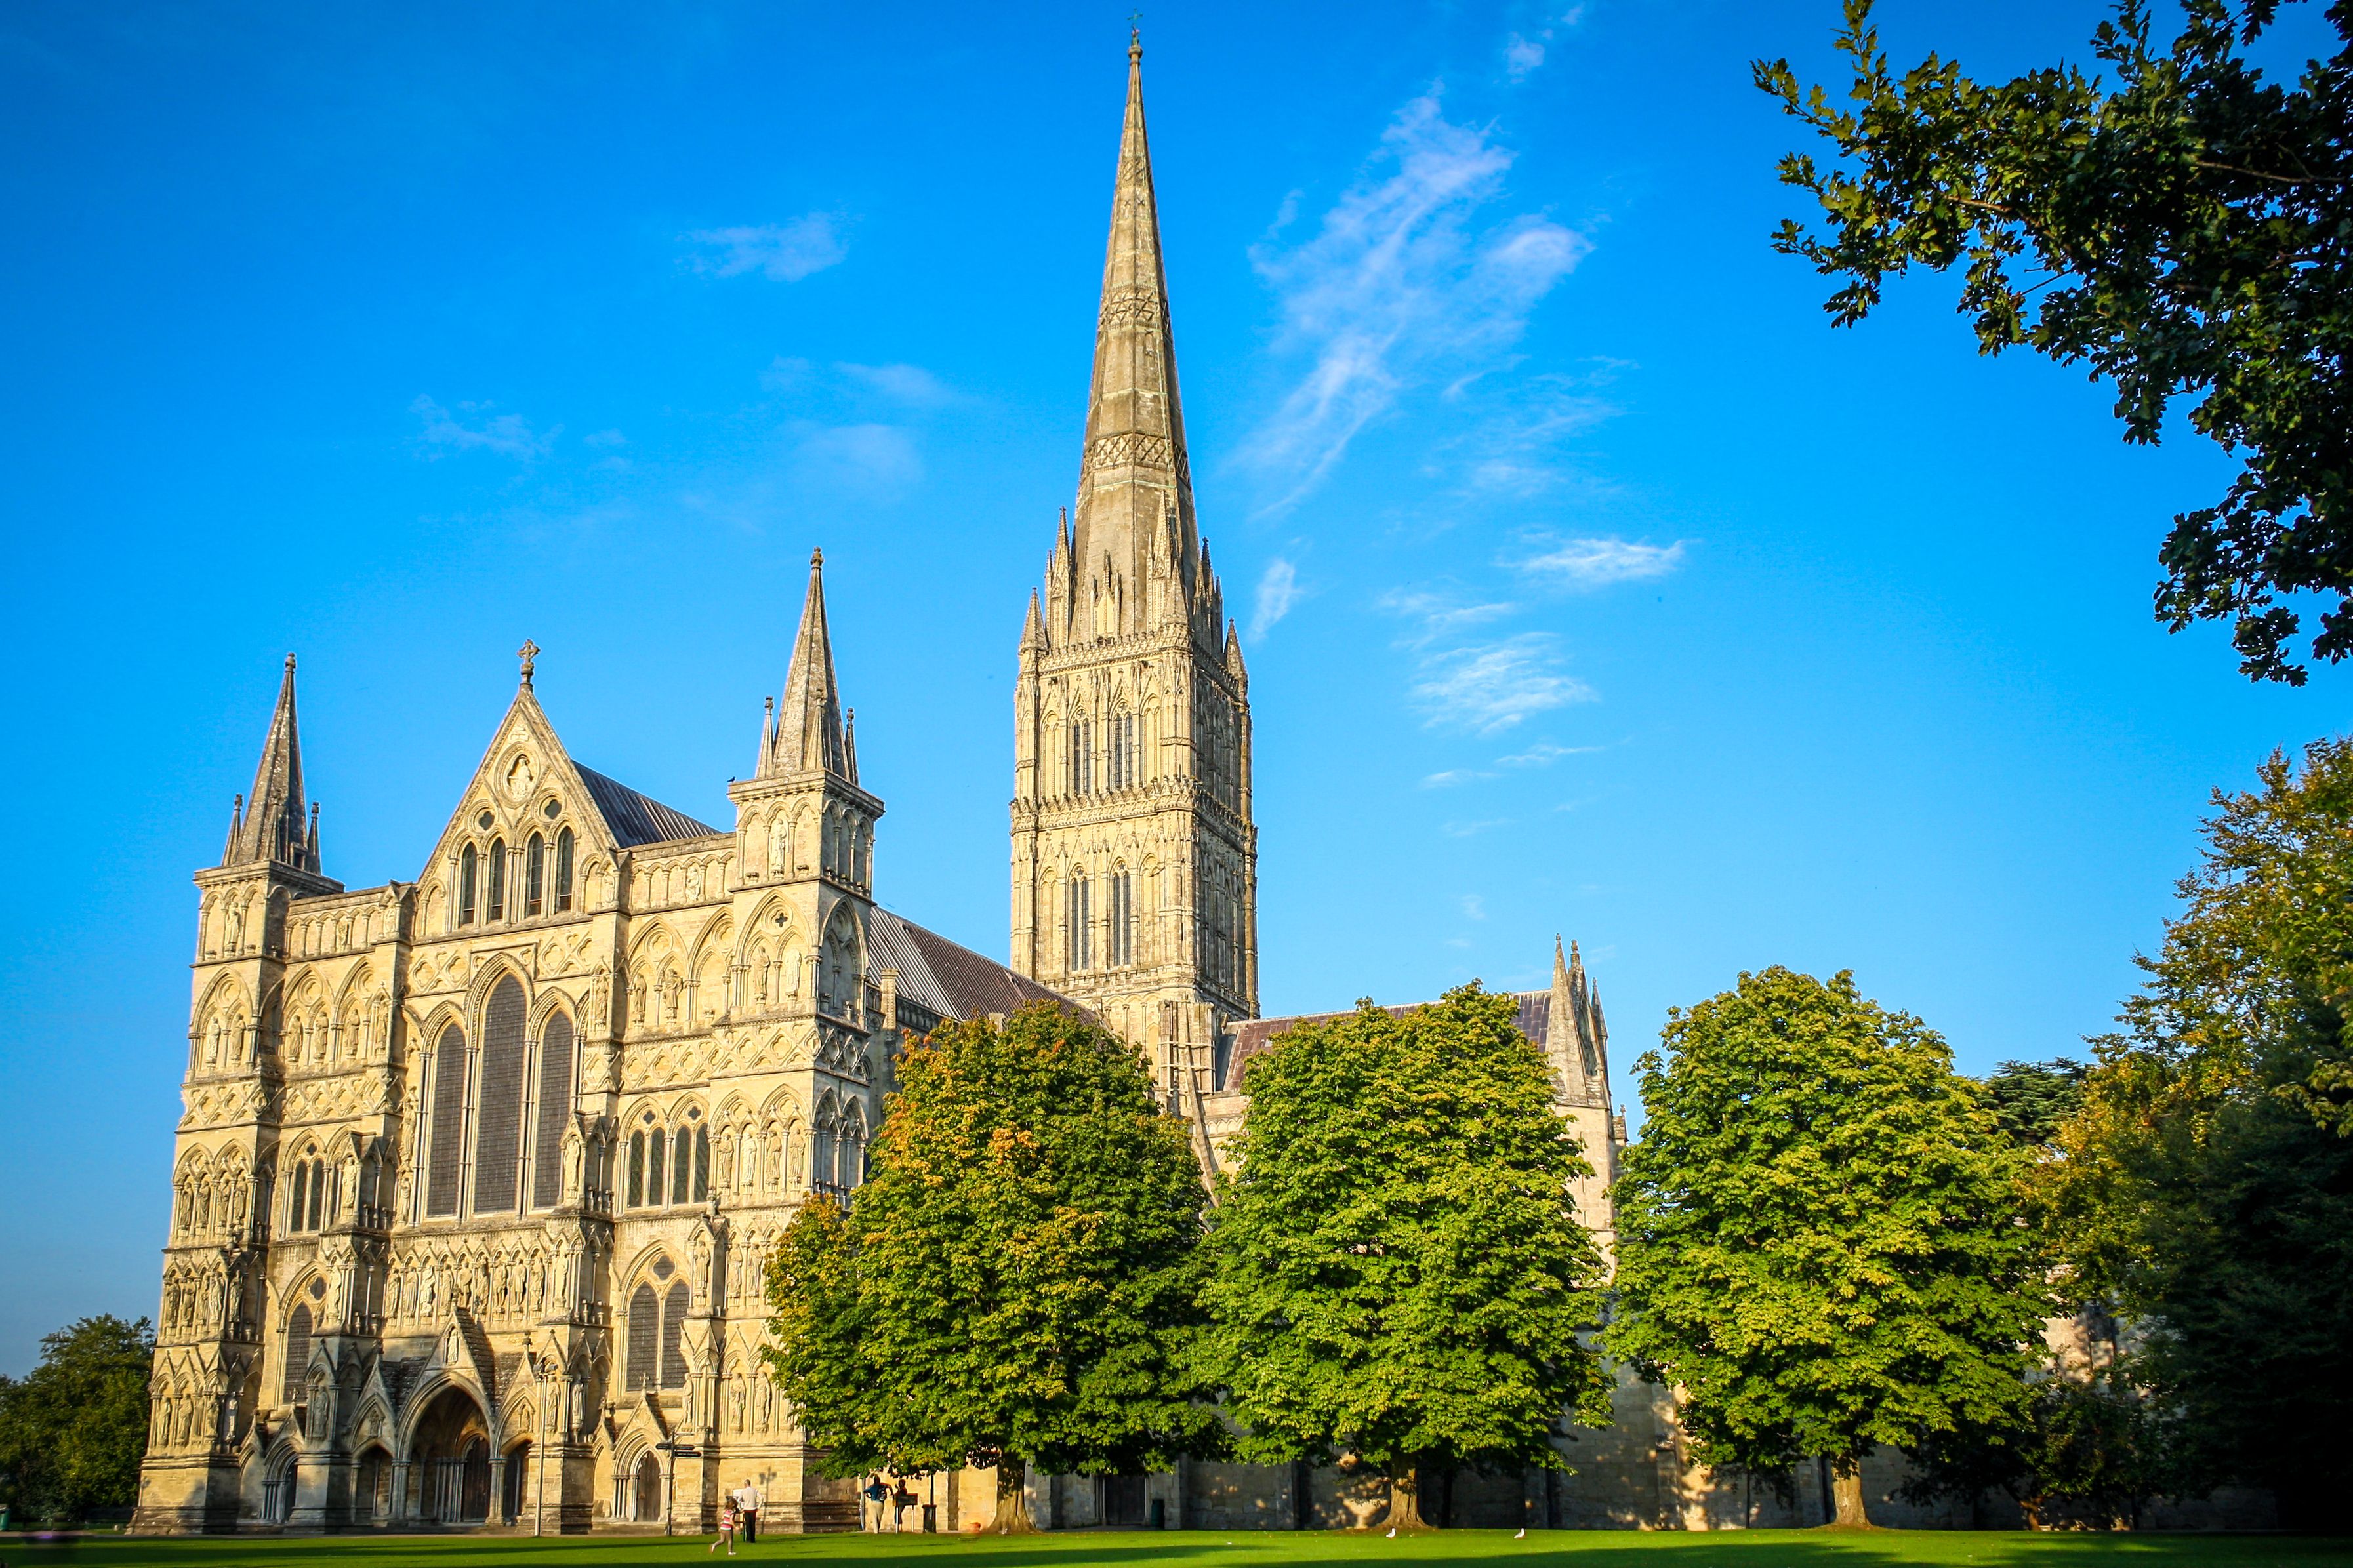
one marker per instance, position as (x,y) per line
(1242,1549)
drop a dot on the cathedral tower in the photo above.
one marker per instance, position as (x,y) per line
(1134,859)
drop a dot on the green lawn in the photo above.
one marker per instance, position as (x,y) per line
(1199,1549)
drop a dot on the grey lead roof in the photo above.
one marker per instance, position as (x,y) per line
(946,977)
(636,818)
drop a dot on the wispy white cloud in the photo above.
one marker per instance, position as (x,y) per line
(1435,615)
(876,461)
(474,428)
(1473,907)
(1522,56)
(1487,687)
(1408,273)
(781,252)
(1278,590)
(1598,563)
(1468,830)
(909,384)
(1514,446)
(1453,776)
(1542,754)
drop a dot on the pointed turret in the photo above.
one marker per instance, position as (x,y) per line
(1134,469)
(276,823)
(808,732)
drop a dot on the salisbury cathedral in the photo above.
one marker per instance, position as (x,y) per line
(478,1172)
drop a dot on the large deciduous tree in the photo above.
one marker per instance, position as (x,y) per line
(1399,1273)
(1015,1284)
(73,1430)
(2206,1186)
(2182,225)
(1818,1236)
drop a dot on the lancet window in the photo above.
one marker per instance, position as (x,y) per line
(495,898)
(657,1357)
(1083,757)
(563,869)
(1122,751)
(1122,930)
(535,876)
(466,886)
(1081,932)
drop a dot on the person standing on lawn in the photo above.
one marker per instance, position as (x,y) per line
(878,1494)
(749,1499)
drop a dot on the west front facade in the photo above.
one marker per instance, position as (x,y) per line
(479,1173)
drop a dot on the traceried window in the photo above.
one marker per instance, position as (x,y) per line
(702,1164)
(297,1354)
(637,1169)
(564,869)
(466,886)
(497,900)
(1082,942)
(534,875)
(681,1164)
(645,1338)
(555,1111)
(1122,751)
(673,1347)
(1122,934)
(446,1160)
(1083,757)
(498,1111)
(656,1146)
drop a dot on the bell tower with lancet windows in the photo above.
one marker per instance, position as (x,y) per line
(1134,859)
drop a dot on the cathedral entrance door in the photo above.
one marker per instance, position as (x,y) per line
(452,1451)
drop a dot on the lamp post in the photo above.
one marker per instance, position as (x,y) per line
(539,1488)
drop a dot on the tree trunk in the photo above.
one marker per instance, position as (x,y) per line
(1846,1487)
(1012,1500)
(1404,1496)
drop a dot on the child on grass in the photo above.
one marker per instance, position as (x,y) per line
(726,1526)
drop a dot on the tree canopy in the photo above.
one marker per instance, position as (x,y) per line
(2183,227)
(1818,1236)
(1015,1283)
(73,1430)
(1399,1270)
(2031,1100)
(2206,1188)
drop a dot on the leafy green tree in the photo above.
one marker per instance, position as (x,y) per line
(1016,1282)
(2031,1100)
(2180,229)
(1399,1270)
(2206,1186)
(1818,1236)
(73,1430)
(2091,1450)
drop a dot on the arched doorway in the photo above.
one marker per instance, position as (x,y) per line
(514,1494)
(277,1486)
(371,1487)
(452,1453)
(649,1489)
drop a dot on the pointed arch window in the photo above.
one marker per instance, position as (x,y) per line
(563,869)
(554,1110)
(1122,934)
(446,1162)
(673,1331)
(534,875)
(298,1352)
(1122,751)
(702,1164)
(1081,943)
(681,1165)
(498,1111)
(466,886)
(1083,758)
(656,1145)
(645,1338)
(496,900)
(637,1169)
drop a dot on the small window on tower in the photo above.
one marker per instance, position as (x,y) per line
(535,874)
(498,889)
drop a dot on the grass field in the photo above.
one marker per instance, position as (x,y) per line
(1198,1548)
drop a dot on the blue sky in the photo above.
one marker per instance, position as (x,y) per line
(1590,582)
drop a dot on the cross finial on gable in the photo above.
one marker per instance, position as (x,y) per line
(529,654)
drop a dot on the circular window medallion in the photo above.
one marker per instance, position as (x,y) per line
(484,820)
(550,809)
(662,1270)
(317,1288)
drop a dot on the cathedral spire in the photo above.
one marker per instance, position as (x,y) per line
(274,825)
(808,734)
(1134,469)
